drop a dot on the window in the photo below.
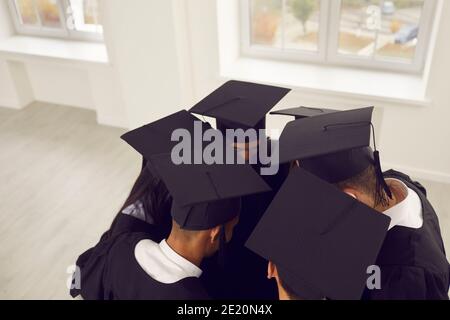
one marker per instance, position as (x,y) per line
(72,19)
(382,34)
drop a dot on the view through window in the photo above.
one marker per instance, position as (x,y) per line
(360,31)
(68,18)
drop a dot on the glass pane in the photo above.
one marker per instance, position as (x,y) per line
(266,20)
(85,15)
(301,25)
(49,13)
(399,29)
(27,12)
(360,21)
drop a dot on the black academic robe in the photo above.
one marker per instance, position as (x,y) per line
(412,261)
(126,280)
(93,263)
(244,273)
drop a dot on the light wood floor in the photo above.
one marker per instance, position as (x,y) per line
(62,179)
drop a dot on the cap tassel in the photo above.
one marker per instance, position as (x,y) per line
(381,183)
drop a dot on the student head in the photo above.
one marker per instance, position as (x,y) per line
(206,201)
(318,249)
(364,188)
(335,147)
(205,226)
(238,105)
(353,172)
(247,150)
(205,242)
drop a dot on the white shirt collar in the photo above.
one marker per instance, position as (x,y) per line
(408,212)
(163,264)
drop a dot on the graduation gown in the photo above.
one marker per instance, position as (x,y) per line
(126,280)
(93,264)
(412,261)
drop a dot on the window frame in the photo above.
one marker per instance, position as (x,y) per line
(329,42)
(42,31)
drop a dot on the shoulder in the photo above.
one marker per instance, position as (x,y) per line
(192,289)
(127,242)
(409,283)
(186,289)
(415,185)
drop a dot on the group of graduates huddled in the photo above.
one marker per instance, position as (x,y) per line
(328,225)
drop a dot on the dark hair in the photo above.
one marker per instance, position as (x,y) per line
(367,182)
(154,196)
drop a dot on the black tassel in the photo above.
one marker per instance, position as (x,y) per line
(382,188)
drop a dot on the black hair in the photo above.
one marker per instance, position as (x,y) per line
(154,196)
(367,182)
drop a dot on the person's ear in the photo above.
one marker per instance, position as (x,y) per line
(271,270)
(351,192)
(214,234)
(295,164)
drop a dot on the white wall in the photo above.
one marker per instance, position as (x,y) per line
(8,96)
(143,47)
(63,85)
(6,28)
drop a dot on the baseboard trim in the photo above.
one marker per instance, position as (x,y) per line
(112,122)
(10,104)
(418,173)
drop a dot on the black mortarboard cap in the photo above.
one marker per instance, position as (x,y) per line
(155,138)
(303,112)
(322,249)
(334,146)
(206,196)
(240,105)
(327,134)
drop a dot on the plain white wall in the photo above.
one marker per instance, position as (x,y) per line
(6,28)
(60,84)
(142,44)
(8,96)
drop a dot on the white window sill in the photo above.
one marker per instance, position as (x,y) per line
(335,82)
(25,48)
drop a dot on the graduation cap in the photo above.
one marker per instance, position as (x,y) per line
(240,105)
(303,112)
(206,196)
(334,146)
(155,138)
(321,249)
